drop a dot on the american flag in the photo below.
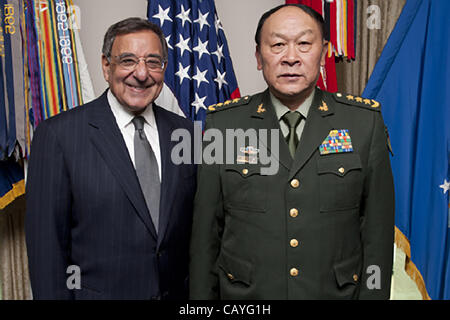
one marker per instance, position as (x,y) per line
(199,72)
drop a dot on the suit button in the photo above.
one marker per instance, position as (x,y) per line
(295,183)
(294,272)
(355,277)
(293,212)
(245,172)
(294,243)
(341,170)
(230,276)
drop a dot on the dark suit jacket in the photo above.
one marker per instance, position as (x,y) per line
(85,208)
(340,214)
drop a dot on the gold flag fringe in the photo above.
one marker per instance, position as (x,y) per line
(17,190)
(402,242)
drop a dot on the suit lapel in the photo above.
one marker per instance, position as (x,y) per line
(170,172)
(107,138)
(264,117)
(316,129)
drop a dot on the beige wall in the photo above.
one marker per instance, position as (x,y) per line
(239,19)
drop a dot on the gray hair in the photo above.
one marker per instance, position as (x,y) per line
(131,25)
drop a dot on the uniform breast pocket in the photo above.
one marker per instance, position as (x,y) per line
(244,187)
(341,181)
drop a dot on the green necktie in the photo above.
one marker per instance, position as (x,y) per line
(292,119)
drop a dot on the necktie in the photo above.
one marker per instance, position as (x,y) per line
(147,170)
(292,119)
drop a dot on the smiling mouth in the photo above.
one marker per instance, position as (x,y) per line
(137,88)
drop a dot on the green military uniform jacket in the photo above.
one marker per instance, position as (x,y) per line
(322,227)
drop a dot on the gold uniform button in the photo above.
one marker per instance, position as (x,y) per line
(294,243)
(355,277)
(245,171)
(341,170)
(230,276)
(294,272)
(295,183)
(293,212)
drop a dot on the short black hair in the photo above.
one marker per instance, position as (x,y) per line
(132,25)
(311,12)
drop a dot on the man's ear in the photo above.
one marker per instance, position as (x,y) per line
(258,58)
(324,53)
(106,65)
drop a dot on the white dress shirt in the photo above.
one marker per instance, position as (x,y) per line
(123,119)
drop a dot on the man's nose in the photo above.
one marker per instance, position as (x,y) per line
(141,71)
(291,55)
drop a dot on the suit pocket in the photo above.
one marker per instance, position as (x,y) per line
(341,181)
(234,269)
(348,275)
(245,188)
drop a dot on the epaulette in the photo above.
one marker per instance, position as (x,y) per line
(228,104)
(357,101)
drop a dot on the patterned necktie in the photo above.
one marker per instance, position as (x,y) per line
(292,119)
(147,170)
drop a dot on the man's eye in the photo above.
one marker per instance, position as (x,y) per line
(278,47)
(304,46)
(153,62)
(128,62)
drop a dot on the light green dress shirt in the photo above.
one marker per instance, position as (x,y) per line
(281,109)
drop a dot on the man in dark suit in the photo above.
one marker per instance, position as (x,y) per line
(105,202)
(321,226)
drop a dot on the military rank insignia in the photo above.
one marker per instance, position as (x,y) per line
(229,104)
(357,101)
(261,109)
(338,141)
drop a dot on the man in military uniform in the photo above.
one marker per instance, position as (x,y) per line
(322,227)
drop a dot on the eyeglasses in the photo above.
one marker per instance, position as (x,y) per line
(130,62)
